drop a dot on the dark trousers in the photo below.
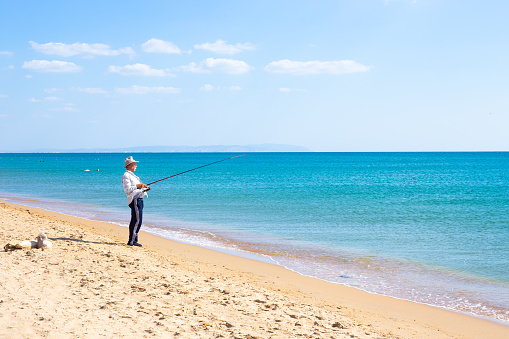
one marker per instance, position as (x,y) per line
(136,217)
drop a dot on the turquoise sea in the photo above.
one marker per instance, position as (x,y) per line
(428,227)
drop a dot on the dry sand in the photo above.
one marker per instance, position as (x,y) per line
(92,285)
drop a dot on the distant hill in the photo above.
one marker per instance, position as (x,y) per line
(182,149)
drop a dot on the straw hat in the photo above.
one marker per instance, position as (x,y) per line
(129,161)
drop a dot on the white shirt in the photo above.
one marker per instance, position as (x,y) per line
(129,181)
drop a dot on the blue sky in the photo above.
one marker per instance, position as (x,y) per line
(344,75)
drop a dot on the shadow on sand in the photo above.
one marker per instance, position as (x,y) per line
(83,241)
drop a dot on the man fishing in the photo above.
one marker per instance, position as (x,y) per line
(135,191)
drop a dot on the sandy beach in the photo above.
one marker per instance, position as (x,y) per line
(92,285)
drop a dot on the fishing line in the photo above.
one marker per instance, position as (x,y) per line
(212,163)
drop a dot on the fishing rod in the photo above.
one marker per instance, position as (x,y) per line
(212,163)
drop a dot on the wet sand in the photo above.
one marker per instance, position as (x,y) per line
(92,285)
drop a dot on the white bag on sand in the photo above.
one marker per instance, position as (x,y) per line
(43,242)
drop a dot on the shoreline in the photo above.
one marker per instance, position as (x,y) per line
(385,316)
(215,243)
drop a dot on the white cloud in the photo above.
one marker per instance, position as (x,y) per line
(315,67)
(207,88)
(52,99)
(52,90)
(43,116)
(139,70)
(288,90)
(91,90)
(160,46)
(210,65)
(3,116)
(67,108)
(194,68)
(146,90)
(6,53)
(3,96)
(45,99)
(127,50)
(51,66)
(220,47)
(66,50)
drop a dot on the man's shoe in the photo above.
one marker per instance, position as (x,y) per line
(137,244)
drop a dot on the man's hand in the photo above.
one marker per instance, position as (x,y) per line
(142,186)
